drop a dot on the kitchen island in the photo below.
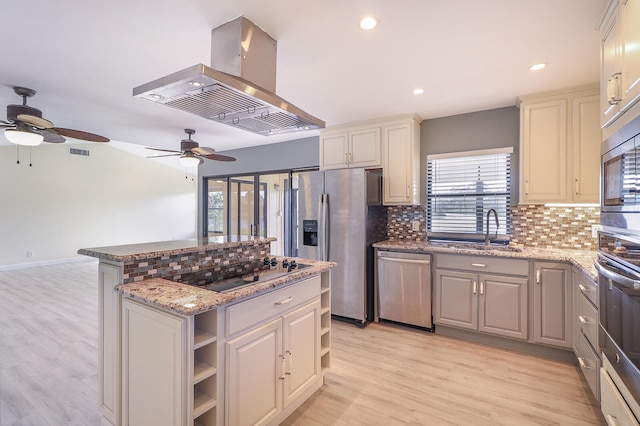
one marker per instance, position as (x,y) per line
(175,353)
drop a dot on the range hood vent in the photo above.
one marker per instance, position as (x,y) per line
(242,54)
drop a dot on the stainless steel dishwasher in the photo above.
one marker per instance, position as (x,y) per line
(403,288)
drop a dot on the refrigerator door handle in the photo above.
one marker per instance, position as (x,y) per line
(323,231)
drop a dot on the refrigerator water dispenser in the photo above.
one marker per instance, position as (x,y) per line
(310,232)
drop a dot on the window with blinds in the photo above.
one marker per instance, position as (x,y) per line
(462,188)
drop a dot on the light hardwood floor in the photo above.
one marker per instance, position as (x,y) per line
(381,375)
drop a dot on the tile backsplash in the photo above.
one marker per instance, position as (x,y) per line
(531,225)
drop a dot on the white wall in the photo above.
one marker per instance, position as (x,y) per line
(66,202)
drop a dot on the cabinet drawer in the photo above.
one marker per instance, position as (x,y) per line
(614,407)
(588,319)
(262,308)
(483,264)
(589,289)
(589,363)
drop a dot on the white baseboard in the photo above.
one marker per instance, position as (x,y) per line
(77,259)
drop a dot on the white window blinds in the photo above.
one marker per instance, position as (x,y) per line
(462,189)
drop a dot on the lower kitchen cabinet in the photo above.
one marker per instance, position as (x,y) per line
(585,328)
(153,366)
(552,304)
(273,364)
(495,304)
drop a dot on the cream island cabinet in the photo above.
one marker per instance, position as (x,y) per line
(178,354)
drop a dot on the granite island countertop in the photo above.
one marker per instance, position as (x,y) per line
(132,252)
(185,299)
(582,259)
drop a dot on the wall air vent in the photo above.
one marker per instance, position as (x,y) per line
(76,151)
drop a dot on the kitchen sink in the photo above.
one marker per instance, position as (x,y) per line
(474,246)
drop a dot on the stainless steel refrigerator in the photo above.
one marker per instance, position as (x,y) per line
(340,214)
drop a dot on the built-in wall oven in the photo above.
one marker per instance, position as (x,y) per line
(618,264)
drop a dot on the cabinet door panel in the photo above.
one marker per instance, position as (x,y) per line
(544,151)
(333,151)
(552,305)
(364,148)
(503,306)
(398,171)
(630,51)
(302,349)
(109,340)
(457,299)
(610,55)
(153,367)
(253,374)
(586,139)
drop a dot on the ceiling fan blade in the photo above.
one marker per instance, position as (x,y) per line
(163,150)
(6,126)
(203,150)
(6,123)
(78,134)
(35,121)
(219,157)
(166,155)
(52,137)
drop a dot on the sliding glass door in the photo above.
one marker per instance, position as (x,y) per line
(257,205)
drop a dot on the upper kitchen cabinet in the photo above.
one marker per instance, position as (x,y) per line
(560,146)
(356,147)
(620,56)
(392,143)
(400,163)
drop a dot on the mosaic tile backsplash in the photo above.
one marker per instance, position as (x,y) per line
(197,267)
(531,225)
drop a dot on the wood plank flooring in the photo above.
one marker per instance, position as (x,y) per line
(381,375)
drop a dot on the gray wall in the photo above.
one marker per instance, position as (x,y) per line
(496,128)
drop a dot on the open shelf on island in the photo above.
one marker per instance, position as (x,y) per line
(202,403)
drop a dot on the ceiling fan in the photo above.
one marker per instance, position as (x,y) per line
(25,125)
(191,154)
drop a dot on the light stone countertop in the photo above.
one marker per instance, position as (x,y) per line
(131,252)
(189,300)
(582,259)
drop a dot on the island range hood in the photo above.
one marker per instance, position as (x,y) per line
(239,87)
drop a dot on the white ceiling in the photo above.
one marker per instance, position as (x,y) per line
(85,56)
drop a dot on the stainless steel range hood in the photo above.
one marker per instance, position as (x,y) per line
(242,56)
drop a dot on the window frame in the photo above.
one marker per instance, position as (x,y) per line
(480,219)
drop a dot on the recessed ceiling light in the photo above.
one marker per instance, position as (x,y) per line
(537,67)
(418,91)
(368,23)
(195,83)
(155,96)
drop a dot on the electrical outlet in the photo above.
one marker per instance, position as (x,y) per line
(415,225)
(30,253)
(594,230)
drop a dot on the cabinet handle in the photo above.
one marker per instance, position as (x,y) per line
(583,364)
(583,320)
(289,357)
(346,158)
(350,157)
(583,288)
(283,367)
(284,301)
(479,265)
(613,89)
(538,276)
(481,288)
(526,187)
(407,193)
(475,289)
(577,187)
(611,420)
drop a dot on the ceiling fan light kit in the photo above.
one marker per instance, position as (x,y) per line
(191,153)
(25,125)
(23,137)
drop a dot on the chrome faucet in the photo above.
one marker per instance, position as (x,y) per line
(487,242)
